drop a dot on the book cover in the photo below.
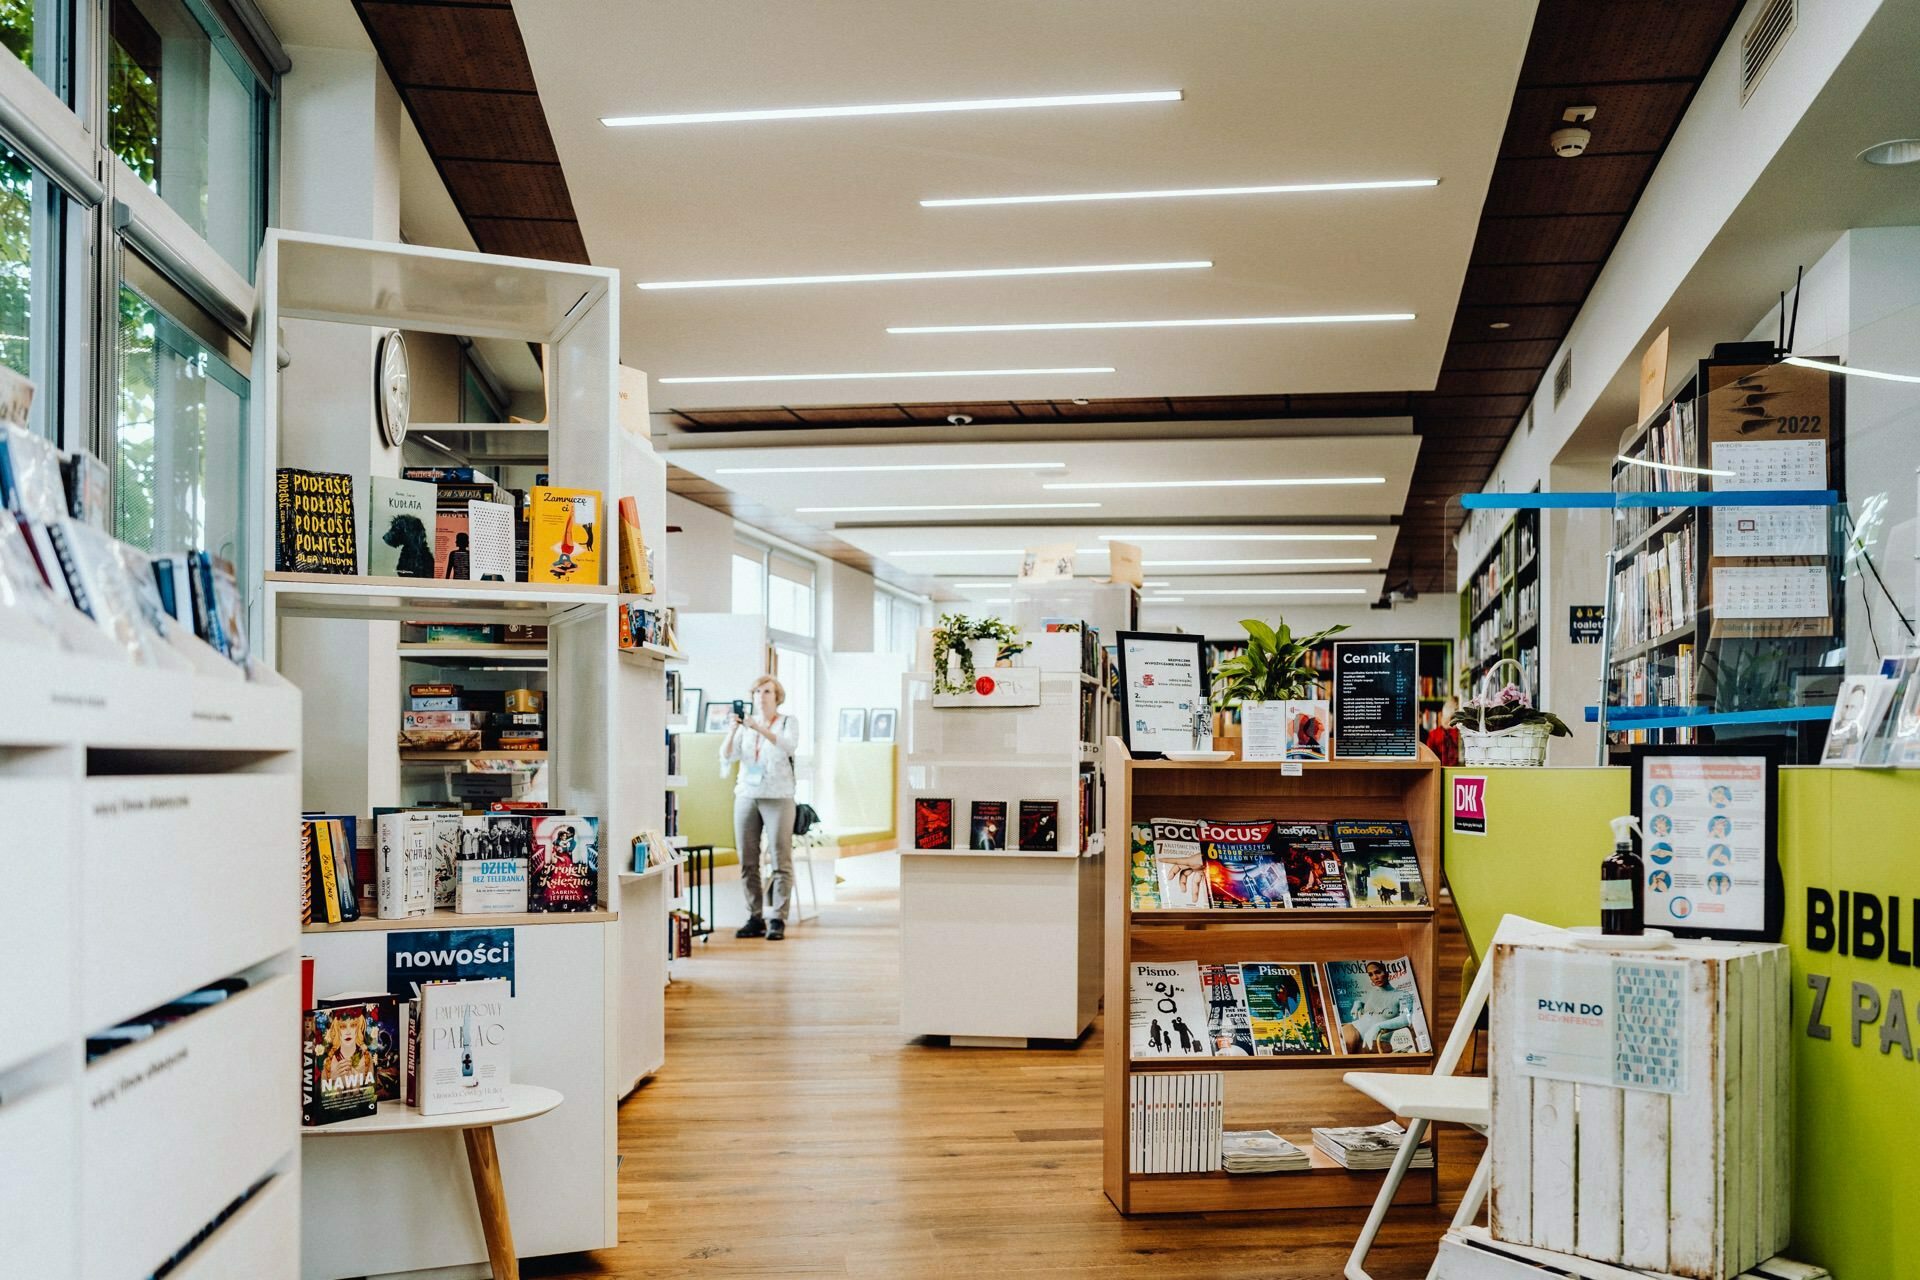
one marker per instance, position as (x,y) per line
(383,1037)
(1166,1013)
(1143,878)
(1858,709)
(988,830)
(465,1050)
(453,543)
(491,886)
(1286,1008)
(1180,865)
(339,1079)
(1314,874)
(932,823)
(403,860)
(1308,722)
(439,475)
(1040,826)
(314,511)
(443,855)
(1243,869)
(1228,1024)
(1380,863)
(490,542)
(563,536)
(1376,1006)
(232,607)
(400,517)
(564,871)
(635,574)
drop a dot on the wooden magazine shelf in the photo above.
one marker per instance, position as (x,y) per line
(1286,1094)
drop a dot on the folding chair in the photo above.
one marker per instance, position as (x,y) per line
(1424,1100)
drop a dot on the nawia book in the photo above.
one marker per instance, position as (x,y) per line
(314,518)
(1228,1023)
(339,1070)
(932,823)
(1382,867)
(1314,876)
(564,874)
(1040,826)
(1376,1005)
(1143,878)
(1179,863)
(1166,1014)
(1243,869)
(564,536)
(1286,1008)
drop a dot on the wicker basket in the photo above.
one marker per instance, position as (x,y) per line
(1524,745)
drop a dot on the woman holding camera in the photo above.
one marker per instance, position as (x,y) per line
(762,743)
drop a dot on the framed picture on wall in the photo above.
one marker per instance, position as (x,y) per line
(880,722)
(691,701)
(853,724)
(715,716)
(1163,693)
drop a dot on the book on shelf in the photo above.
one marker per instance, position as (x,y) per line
(313,513)
(1376,1006)
(1142,876)
(564,535)
(1260,1151)
(400,523)
(636,571)
(1174,1121)
(332,886)
(1229,1026)
(1287,1008)
(489,542)
(382,1012)
(464,1050)
(441,475)
(1314,875)
(1166,1011)
(1040,826)
(1243,869)
(1180,863)
(491,886)
(1089,795)
(1381,865)
(987,826)
(564,871)
(403,861)
(339,1075)
(1369,1146)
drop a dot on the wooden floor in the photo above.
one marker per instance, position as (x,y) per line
(794,1133)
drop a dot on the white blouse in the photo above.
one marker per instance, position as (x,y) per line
(766,768)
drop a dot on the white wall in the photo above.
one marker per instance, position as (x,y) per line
(850,610)
(1431,617)
(702,557)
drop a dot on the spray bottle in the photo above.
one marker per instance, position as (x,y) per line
(1623,883)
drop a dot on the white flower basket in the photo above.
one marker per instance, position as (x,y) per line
(1524,745)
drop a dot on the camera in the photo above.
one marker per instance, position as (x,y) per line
(740,707)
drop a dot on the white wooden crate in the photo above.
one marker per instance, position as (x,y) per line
(1694,1183)
(1471,1254)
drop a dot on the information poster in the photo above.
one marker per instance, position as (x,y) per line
(1706,840)
(1163,692)
(1600,1020)
(1376,700)
(446,955)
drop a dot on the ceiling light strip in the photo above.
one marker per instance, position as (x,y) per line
(1146,535)
(1671,466)
(895,108)
(1852,371)
(954,506)
(1279,591)
(1207,323)
(902,466)
(882,375)
(971,273)
(1170,564)
(1238,482)
(1182,193)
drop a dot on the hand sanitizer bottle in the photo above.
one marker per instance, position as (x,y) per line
(1623,884)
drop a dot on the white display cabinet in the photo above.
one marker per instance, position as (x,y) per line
(160,811)
(374,1208)
(1001,948)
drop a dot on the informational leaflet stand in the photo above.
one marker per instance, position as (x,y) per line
(1708,818)
(1163,692)
(1376,700)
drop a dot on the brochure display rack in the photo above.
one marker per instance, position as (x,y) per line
(1261,1090)
(1001,945)
(384,1204)
(111,1166)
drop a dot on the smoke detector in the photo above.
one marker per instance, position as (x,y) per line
(960,419)
(1573,140)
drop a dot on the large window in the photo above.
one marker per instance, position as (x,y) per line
(749,582)
(30,271)
(897,620)
(33,31)
(789,595)
(779,587)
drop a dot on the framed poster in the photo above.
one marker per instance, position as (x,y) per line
(853,724)
(1709,822)
(1376,700)
(1164,685)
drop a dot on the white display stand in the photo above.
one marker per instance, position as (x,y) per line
(385,1206)
(1469,1253)
(146,883)
(999,948)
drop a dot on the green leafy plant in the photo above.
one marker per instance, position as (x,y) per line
(1507,709)
(1275,665)
(953,633)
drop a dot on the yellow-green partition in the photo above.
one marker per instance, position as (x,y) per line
(706,802)
(1856,1211)
(861,807)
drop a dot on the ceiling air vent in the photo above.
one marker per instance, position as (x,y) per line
(1762,42)
(1563,379)
(1529,418)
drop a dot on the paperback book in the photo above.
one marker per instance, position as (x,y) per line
(491,886)
(403,864)
(400,523)
(1242,867)
(636,575)
(332,887)
(339,1079)
(1040,826)
(1286,1008)
(1380,863)
(1180,864)
(1166,1013)
(1143,879)
(1376,1004)
(932,823)
(1314,876)
(988,829)
(314,518)
(383,1037)
(564,872)
(464,1058)
(1229,1026)
(564,541)
(490,542)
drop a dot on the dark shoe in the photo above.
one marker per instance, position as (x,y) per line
(755,927)
(776,930)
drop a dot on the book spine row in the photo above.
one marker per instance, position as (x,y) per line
(1654,593)
(1174,1121)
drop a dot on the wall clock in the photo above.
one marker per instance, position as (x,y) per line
(392,392)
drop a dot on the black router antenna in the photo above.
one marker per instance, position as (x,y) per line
(1794,328)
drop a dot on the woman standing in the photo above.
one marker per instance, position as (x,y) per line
(763,744)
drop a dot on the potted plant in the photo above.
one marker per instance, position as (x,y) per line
(1502,726)
(962,646)
(1276,667)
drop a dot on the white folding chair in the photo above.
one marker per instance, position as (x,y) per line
(1441,1097)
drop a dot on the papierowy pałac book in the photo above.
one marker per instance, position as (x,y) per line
(1376,1005)
(1287,1008)
(403,864)
(1179,863)
(564,534)
(1040,826)
(314,517)
(1314,876)
(1243,869)
(1166,1013)
(1381,865)
(1228,1025)
(932,823)
(490,886)
(1143,878)
(400,524)
(464,1060)
(987,830)
(564,872)
(339,1075)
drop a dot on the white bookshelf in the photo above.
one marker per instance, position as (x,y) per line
(385,1204)
(107,772)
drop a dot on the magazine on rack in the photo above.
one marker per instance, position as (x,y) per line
(1376,1004)
(1287,1009)
(1228,1025)
(1143,880)
(1382,867)
(1166,1013)
(1369,1146)
(1179,863)
(1242,867)
(1313,869)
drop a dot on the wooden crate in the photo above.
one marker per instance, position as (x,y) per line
(1287,1095)
(1694,1183)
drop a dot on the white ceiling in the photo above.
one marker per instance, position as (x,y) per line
(959,553)
(1306,91)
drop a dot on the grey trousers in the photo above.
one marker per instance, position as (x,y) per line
(750,818)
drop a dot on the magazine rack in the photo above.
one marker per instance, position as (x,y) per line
(1288,1095)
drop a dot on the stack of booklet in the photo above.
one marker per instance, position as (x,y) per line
(1369,1146)
(1260,1151)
